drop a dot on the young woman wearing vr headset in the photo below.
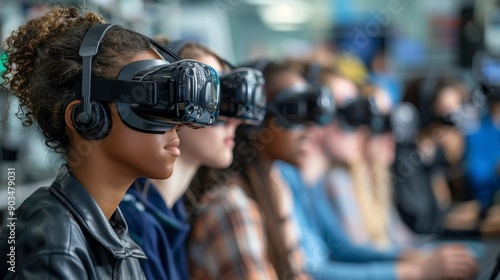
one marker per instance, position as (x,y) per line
(97,93)
(154,209)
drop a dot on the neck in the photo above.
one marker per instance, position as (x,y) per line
(314,167)
(106,183)
(265,162)
(174,187)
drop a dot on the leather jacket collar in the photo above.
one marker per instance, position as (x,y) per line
(112,234)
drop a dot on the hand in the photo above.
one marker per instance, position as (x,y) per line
(449,262)
(200,274)
(463,216)
(490,226)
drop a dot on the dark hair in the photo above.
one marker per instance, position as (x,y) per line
(272,74)
(313,71)
(424,90)
(162,39)
(43,65)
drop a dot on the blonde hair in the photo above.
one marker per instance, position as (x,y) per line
(372,191)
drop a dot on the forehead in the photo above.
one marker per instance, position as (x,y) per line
(283,80)
(209,60)
(449,97)
(145,55)
(343,89)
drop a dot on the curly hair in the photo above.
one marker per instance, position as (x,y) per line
(43,64)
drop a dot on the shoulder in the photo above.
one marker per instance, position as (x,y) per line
(285,167)
(135,211)
(42,214)
(143,227)
(228,233)
(288,173)
(484,127)
(43,227)
(229,199)
(225,210)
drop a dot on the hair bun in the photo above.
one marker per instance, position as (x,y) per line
(37,32)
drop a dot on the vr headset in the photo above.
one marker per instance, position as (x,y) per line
(242,95)
(241,90)
(355,113)
(486,69)
(152,96)
(298,106)
(363,112)
(381,123)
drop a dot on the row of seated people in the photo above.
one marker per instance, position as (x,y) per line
(302,198)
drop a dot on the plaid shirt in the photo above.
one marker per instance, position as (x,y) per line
(228,239)
(228,235)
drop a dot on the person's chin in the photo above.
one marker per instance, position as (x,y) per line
(223,163)
(166,172)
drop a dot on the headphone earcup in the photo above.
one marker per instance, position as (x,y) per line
(99,124)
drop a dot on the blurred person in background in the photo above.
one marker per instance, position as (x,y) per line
(243,226)
(482,157)
(341,240)
(154,209)
(374,195)
(431,190)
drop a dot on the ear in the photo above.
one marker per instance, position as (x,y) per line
(68,114)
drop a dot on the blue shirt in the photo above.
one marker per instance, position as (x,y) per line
(160,231)
(482,159)
(329,252)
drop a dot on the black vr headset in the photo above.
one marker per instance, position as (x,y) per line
(363,112)
(297,106)
(357,112)
(381,123)
(152,96)
(486,69)
(242,95)
(241,90)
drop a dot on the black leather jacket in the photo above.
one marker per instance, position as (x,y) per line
(61,233)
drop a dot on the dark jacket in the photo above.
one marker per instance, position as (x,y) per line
(159,230)
(61,233)
(414,198)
